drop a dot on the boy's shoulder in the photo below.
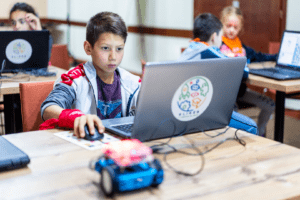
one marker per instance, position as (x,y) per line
(72,74)
(128,80)
(126,75)
(197,50)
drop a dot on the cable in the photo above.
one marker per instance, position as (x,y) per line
(201,154)
(213,136)
(183,152)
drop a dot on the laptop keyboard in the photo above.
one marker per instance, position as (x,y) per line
(277,70)
(127,128)
(274,70)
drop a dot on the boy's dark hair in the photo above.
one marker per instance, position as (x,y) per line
(205,25)
(105,22)
(22,7)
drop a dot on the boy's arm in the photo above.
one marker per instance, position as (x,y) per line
(60,98)
(52,111)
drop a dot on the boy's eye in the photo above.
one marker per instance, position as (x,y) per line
(105,48)
(120,48)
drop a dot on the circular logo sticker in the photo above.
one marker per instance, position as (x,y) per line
(18,51)
(192,98)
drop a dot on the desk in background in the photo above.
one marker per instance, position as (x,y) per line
(11,97)
(283,90)
(264,169)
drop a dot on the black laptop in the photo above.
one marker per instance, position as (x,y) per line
(288,61)
(11,157)
(24,50)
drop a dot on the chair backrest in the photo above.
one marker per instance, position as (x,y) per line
(274,47)
(32,96)
(59,56)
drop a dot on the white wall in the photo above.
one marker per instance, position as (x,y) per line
(293,15)
(40,7)
(170,14)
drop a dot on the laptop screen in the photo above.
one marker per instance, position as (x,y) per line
(24,50)
(289,54)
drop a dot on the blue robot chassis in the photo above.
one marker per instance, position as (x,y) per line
(116,178)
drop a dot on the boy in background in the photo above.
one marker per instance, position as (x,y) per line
(95,90)
(208,32)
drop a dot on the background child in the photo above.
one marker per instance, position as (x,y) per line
(206,43)
(95,90)
(232,19)
(24,18)
(232,46)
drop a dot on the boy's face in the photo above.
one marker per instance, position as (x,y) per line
(107,53)
(218,39)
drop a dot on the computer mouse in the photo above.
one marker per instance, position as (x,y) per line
(96,136)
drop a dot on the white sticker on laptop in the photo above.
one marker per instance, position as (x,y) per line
(18,51)
(192,98)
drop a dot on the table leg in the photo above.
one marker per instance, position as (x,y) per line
(279,116)
(12,113)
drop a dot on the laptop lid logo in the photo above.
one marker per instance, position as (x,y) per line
(18,51)
(192,98)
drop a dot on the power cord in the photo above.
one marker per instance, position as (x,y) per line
(158,147)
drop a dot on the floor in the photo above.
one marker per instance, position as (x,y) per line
(291,127)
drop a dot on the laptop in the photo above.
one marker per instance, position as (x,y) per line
(182,97)
(288,61)
(11,157)
(24,50)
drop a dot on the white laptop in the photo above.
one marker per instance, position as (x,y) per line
(183,97)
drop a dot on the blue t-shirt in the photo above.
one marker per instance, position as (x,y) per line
(109,98)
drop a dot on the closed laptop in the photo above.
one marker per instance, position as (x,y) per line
(11,157)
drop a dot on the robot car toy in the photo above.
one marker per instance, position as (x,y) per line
(128,165)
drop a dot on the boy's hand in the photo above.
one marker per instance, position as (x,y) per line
(92,121)
(33,22)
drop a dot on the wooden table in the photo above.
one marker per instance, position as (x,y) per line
(283,90)
(11,96)
(263,169)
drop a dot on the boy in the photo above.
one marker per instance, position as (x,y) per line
(95,90)
(208,31)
